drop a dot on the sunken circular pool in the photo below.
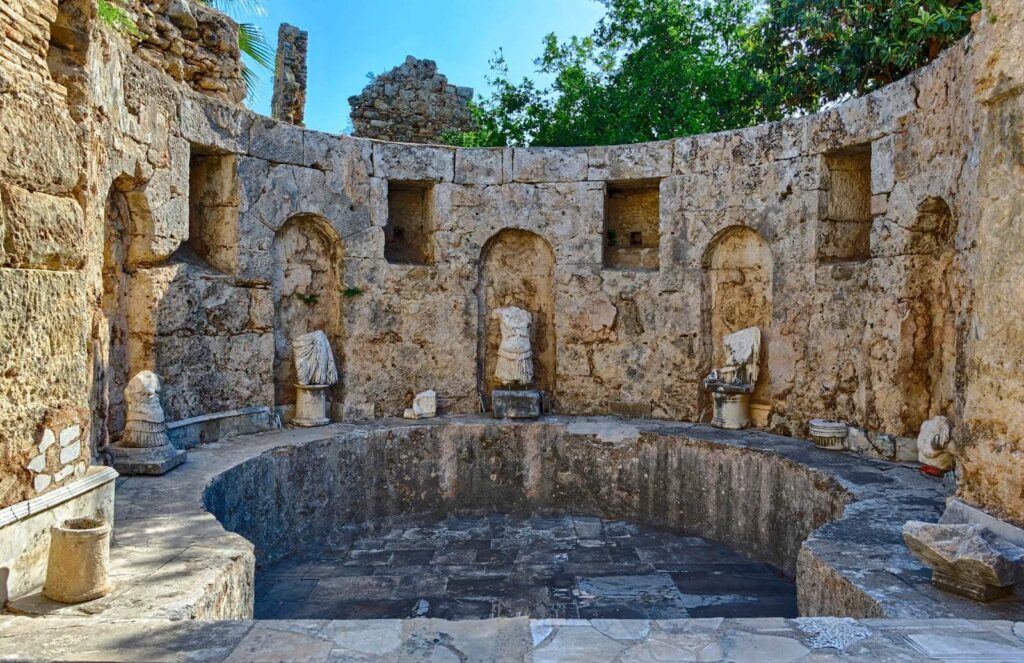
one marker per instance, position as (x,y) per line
(474,518)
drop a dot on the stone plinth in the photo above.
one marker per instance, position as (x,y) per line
(732,410)
(146,460)
(311,405)
(508,404)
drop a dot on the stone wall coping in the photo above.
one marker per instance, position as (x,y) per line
(97,475)
(227,414)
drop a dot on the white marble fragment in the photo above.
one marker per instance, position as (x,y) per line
(933,446)
(70,434)
(832,632)
(47,440)
(70,453)
(41,482)
(37,464)
(424,406)
(63,473)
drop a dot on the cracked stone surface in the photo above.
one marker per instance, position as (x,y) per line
(478,567)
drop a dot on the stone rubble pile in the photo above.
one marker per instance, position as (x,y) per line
(412,103)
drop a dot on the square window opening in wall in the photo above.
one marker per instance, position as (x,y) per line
(213,203)
(844,232)
(631,225)
(409,233)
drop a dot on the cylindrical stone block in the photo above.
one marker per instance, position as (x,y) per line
(78,568)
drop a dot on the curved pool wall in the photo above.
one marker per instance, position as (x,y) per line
(832,519)
(755,501)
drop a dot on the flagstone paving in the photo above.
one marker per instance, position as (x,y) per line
(543,567)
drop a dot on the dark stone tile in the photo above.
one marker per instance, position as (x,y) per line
(368,557)
(355,587)
(375,609)
(776,606)
(491,556)
(449,608)
(454,555)
(590,556)
(369,544)
(419,586)
(541,556)
(613,611)
(477,587)
(291,590)
(725,583)
(412,557)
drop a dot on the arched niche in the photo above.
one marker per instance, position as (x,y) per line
(737,267)
(929,301)
(111,329)
(517,268)
(306,282)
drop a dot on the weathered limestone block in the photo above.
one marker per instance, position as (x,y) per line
(40,231)
(41,148)
(549,164)
(214,125)
(966,559)
(289,100)
(490,165)
(277,142)
(413,162)
(630,162)
(43,366)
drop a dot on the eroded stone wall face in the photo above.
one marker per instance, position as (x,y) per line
(412,103)
(994,362)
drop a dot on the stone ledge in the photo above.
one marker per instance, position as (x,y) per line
(207,428)
(96,476)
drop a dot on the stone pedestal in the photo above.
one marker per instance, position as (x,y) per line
(146,460)
(523,404)
(311,405)
(828,434)
(78,566)
(731,411)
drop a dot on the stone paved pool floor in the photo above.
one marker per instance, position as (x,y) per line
(541,567)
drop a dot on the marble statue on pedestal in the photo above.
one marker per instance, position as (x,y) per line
(515,354)
(933,444)
(515,367)
(315,372)
(144,447)
(731,385)
(314,361)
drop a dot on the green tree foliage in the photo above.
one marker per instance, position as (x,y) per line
(824,50)
(655,69)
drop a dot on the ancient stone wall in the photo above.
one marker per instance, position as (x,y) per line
(412,103)
(146,226)
(192,44)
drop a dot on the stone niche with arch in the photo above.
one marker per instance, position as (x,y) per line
(737,284)
(517,269)
(929,301)
(307,294)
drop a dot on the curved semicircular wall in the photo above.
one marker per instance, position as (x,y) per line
(758,502)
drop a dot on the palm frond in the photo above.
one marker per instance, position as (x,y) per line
(253,43)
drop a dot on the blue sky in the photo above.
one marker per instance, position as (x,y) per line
(348,38)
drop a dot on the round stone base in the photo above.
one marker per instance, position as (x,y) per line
(311,405)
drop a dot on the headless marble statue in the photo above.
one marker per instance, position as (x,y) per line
(515,355)
(144,426)
(314,361)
